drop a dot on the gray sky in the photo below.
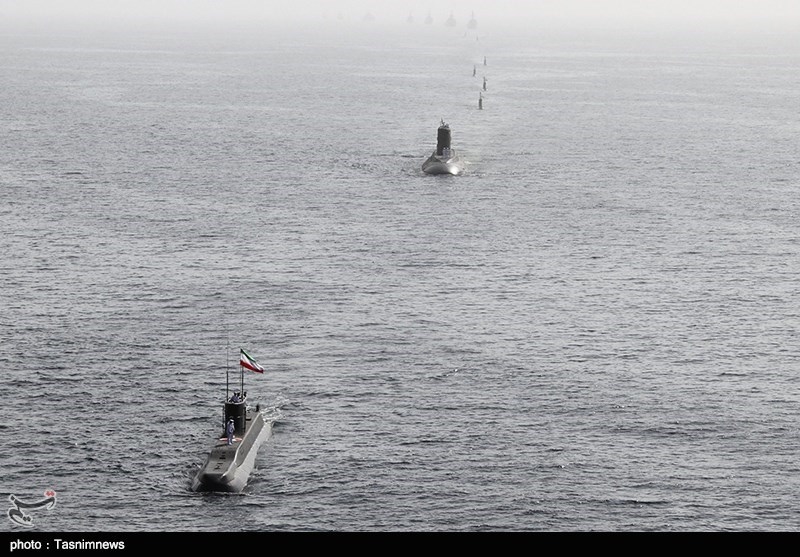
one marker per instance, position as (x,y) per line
(397,10)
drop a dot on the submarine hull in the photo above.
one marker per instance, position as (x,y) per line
(227,468)
(437,164)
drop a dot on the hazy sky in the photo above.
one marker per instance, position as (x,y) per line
(397,10)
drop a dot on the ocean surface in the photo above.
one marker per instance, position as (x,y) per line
(595,328)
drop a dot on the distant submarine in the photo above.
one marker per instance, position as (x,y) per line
(444,160)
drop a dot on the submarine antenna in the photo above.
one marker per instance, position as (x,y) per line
(241,369)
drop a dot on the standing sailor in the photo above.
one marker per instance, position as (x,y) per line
(230,428)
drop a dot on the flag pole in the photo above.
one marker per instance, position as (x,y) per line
(241,368)
(227,365)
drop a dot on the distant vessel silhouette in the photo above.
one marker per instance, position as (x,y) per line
(444,159)
(429,19)
(473,23)
(451,21)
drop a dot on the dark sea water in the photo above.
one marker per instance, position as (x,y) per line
(595,328)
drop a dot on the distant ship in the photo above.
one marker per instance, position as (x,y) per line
(444,159)
(232,457)
(429,19)
(451,21)
(473,23)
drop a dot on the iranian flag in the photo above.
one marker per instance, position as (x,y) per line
(246,361)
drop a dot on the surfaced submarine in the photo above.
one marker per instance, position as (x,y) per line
(232,457)
(444,160)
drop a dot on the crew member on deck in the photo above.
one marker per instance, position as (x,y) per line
(230,429)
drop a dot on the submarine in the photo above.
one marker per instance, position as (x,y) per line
(232,456)
(444,160)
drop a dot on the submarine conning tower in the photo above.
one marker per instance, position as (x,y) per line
(237,411)
(442,138)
